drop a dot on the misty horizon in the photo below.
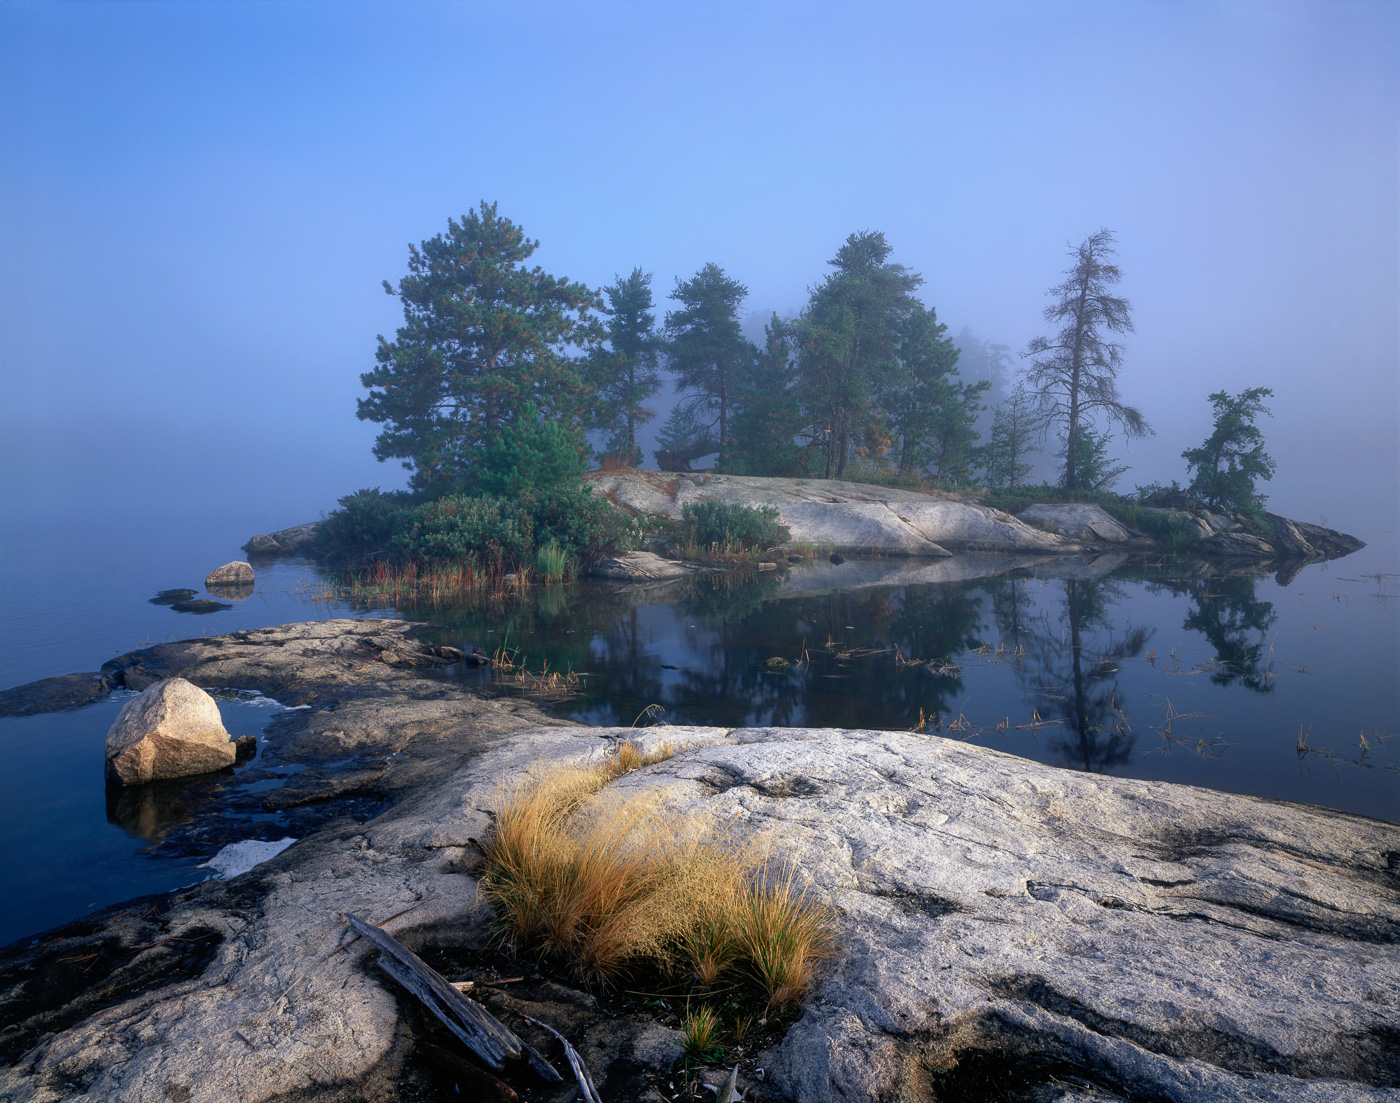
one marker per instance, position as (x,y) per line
(201,204)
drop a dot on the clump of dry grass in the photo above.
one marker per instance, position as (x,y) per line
(615,885)
(700,1035)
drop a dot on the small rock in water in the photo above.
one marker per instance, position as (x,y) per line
(237,573)
(794,558)
(777,662)
(767,566)
(170,597)
(837,558)
(262,544)
(200,605)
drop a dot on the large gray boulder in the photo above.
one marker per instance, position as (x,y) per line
(171,729)
(297,540)
(237,573)
(1079,521)
(1152,941)
(851,518)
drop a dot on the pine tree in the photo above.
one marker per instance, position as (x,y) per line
(482,335)
(627,369)
(767,419)
(1094,470)
(1233,456)
(1074,375)
(1013,429)
(848,340)
(531,454)
(705,347)
(932,412)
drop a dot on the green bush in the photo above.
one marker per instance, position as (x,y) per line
(486,531)
(490,531)
(731,526)
(365,522)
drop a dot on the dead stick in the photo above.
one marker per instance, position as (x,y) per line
(585,1082)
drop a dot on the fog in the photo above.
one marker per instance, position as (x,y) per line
(200,202)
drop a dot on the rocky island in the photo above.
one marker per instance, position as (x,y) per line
(1003,924)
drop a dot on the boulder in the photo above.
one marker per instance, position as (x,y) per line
(851,518)
(200,606)
(1080,521)
(1184,518)
(237,573)
(171,729)
(639,566)
(297,540)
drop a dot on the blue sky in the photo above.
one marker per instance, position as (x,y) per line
(200,202)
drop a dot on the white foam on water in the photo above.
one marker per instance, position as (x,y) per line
(238,858)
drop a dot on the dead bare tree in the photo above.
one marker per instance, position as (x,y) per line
(1074,375)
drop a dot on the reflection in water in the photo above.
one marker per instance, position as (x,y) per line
(238,591)
(147,811)
(1071,668)
(170,597)
(1236,623)
(1046,658)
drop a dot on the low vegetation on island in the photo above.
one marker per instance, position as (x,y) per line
(490,390)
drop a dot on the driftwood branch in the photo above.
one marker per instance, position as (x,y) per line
(479,1030)
(585,1081)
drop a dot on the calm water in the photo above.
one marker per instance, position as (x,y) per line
(1274,687)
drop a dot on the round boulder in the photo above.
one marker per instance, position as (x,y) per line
(171,729)
(262,544)
(237,573)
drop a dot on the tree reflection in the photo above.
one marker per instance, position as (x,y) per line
(1071,665)
(837,655)
(1236,623)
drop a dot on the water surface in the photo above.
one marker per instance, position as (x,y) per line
(1270,685)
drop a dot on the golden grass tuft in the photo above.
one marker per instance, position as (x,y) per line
(700,1035)
(614,885)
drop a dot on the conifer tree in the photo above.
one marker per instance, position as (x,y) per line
(483,334)
(848,340)
(627,369)
(1233,456)
(1074,375)
(705,348)
(1013,428)
(767,419)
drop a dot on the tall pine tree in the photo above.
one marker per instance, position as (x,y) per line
(1074,374)
(848,340)
(706,348)
(627,369)
(483,334)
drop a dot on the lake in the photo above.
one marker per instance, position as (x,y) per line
(1271,685)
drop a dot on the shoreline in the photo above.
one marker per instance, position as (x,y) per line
(431,753)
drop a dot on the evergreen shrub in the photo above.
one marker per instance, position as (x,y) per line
(731,526)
